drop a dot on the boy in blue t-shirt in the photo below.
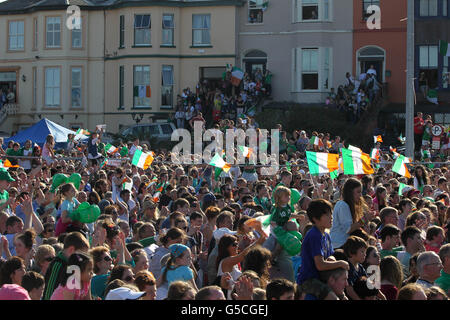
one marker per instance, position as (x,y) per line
(317,251)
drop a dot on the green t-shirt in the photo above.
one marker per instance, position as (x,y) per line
(393,252)
(281,215)
(98,285)
(4,197)
(444,281)
(263,202)
(11,152)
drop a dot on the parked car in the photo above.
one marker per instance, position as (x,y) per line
(159,131)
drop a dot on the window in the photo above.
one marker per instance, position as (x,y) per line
(166,129)
(53,32)
(34,87)
(141,86)
(36,33)
(167,86)
(326,68)
(444,8)
(76,87)
(310,9)
(16,35)
(428,64)
(310,69)
(428,8)
(52,87)
(256,10)
(201,25)
(142,30)
(122,32)
(121,87)
(77,34)
(367,4)
(167,30)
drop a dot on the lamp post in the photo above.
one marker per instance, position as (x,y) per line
(409,132)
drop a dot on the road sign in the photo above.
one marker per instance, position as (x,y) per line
(436,144)
(437,130)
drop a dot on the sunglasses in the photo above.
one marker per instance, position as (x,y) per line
(49,259)
(235,244)
(49,230)
(107,258)
(128,279)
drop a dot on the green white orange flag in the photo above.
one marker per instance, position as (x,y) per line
(82,131)
(315,141)
(8,164)
(400,166)
(218,162)
(246,151)
(260,223)
(142,160)
(356,162)
(377,139)
(401,186)
(353,148)
(321,162)
(104,163)
(444,48)
(236,76)
(109,148)
(375,155)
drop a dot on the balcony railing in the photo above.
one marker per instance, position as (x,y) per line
(8,109)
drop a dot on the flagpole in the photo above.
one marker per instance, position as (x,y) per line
(409,133)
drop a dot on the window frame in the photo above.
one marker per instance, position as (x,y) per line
(164,106)
(149,106)
(172,29)
(17,35)
(35,33)
(196,29)
(80,87)
(55,106)
(35,87)
(81,47)
(136,29)
(122,87)
(53,47)
(428,8)
(322,14)
(303,72)
(365,16)
(122,31)
(254,7)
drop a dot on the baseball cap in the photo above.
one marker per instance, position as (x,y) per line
(4,175)
(412,192)
(13,292)
(219,233)
(124,293)
(176,250)
(103,204)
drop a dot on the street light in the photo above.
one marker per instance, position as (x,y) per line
(409,133)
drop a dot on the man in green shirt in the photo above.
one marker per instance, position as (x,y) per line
(261,197)
(444,280)
(14,151)
(390,237)
(5,179)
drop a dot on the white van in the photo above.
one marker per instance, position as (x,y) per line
(160,131)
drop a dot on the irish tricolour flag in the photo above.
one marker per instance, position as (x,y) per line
(356,162)
(142,160)
(320,162)
(246,151)
(444,48)
(400,166)
(315,141)
(109,148)
(218,162)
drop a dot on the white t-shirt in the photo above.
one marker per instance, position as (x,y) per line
(26,164)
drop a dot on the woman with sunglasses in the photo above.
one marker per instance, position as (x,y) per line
(44,256)
(102,269)
(229,258)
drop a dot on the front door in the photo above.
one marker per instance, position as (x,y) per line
(252,66)
(377,65)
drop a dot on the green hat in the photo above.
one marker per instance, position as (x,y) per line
(4,175)
(58,179)
(85,213)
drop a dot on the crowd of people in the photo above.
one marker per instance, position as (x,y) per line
(184,232)
(222,100)
(355,96)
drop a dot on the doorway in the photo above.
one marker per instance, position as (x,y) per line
(371,55)
(255,60)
